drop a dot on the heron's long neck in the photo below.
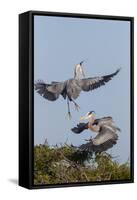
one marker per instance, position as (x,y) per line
(76,75)
(78,72)
(91,120)
(92,127)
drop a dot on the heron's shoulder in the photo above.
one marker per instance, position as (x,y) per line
(71,81)
(103,119)
(106,118)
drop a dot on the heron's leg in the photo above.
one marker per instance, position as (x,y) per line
(69,113)
(77,107)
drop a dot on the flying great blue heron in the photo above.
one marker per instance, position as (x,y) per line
(71,88)
(106,133)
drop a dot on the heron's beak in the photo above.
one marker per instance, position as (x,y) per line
(87,116)
(84,117)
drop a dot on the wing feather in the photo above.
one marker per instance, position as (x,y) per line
(49,91)
(103,120)
(106,138)
(88,84)
(56,87)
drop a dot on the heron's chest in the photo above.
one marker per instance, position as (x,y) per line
(73,88)
(94,128)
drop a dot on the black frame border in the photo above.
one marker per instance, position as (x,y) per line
(30,161)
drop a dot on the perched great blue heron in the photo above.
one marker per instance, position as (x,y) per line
(106,133)
(71,88)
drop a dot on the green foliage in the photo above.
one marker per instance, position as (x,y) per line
(66,165)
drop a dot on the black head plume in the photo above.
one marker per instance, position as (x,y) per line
(90,112)
(81,62)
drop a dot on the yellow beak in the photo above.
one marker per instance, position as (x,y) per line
(86,117)
(81,118)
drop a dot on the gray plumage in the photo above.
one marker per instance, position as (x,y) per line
(106,136)
(71,88)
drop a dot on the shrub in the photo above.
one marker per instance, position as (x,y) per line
(65,164)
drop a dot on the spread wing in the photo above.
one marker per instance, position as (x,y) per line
(79,128)
(106,138)
(49,91)
(108,121)
(88,84)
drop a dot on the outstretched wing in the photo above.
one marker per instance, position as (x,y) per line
(49,91)
(106,121)
(88,84)
(79,128)
(105,140)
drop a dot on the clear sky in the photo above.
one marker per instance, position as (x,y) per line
(59,44)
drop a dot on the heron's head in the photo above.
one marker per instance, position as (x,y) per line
(79,71)
(88,115)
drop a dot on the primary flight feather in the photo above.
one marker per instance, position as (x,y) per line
(105,129)
(71,88)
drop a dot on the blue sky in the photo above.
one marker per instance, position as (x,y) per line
(59,44)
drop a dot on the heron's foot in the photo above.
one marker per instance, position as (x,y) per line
(69,116)
(88,140)
(77,107)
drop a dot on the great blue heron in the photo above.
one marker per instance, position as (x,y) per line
(106,133)
(71,88)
